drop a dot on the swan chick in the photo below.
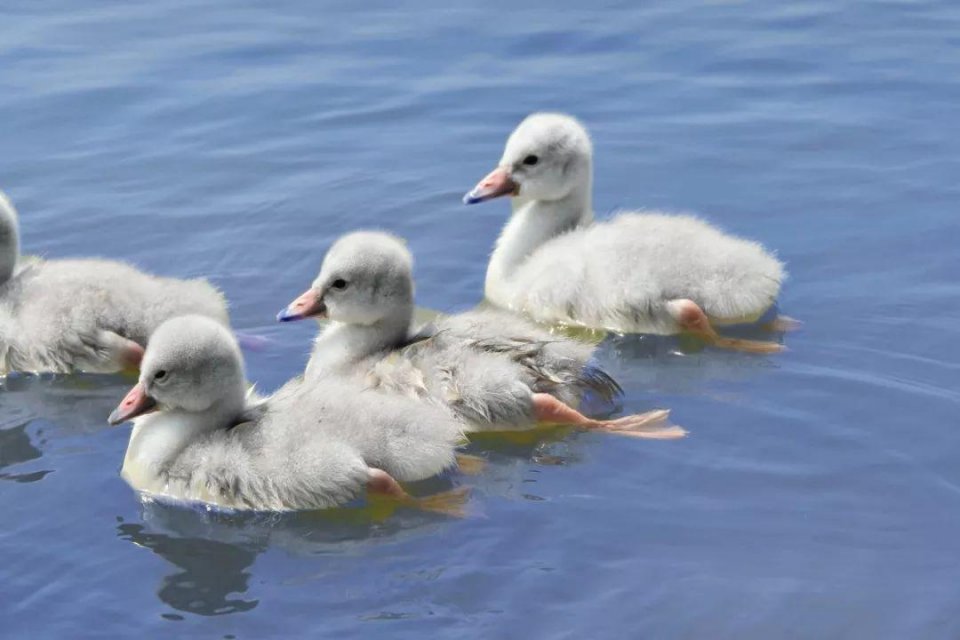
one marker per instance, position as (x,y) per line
(198,436)
(491,368)
(91,315)
(641,272)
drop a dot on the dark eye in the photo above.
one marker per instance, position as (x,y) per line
(531,160)
(339,284)
(160,375)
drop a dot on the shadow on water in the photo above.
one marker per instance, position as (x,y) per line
(207,572)
(16,448)
(80,402)
(682,364)
(34,406)
(212,551)
(554,445)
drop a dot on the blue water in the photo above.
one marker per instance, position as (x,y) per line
(818,495)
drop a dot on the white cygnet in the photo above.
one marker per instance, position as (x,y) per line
(495,371)
(641,272)
(90,315)
(200,436)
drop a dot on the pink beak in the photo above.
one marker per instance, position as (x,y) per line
(497,183)
(135,403)
(308,305)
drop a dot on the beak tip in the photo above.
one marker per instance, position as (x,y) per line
(309,305)
(497,183)
(134,404)
(286,316)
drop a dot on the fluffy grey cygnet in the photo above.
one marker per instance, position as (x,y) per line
(199,436)
(641,272)
(90,315)
(493,369)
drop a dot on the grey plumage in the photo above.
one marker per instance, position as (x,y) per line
(305,447)
(553,263)
(478,356)
(484,365)
(69,315)
(619,275)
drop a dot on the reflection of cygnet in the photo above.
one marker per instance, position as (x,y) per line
(198,436)
(84,315)
(491,368)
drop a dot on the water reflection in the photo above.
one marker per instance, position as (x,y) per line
(209,572)
(32,405)
(16,448)
(681,364)
(212,552)
(80,402)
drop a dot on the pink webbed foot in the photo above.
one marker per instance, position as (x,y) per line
(549,410)
(451,503)
(692,319)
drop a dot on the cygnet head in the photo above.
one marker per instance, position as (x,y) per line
(192,364)
(366,276)
(9,238)
(547,157)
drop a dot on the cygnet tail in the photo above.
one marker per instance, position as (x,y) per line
(600,393)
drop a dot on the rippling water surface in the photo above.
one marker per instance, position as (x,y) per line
(819,493)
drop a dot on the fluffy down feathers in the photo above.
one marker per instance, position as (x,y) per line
(482,365)
(54,314)
(308,446)
(66,315)
(618,275)
(554,264)
(485,366)
(312,448)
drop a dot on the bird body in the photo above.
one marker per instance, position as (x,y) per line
(304,447)
(619,275)
(492,369)
(85,314)
(641,271)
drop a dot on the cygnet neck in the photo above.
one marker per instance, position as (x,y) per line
(158,438)
(341,345)
(533,223)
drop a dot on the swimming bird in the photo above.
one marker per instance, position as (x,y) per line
(641,272)
(200,436)
(493,369)
(90,315)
